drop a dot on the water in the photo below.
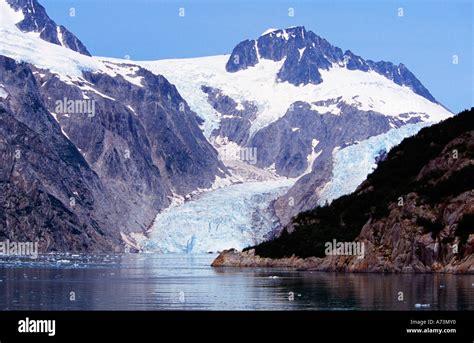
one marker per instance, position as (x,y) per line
(186,282)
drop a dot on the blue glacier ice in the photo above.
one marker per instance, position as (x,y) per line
(232,217)
(352,164)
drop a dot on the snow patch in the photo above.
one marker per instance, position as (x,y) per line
(268,31)
(131,109)
(3,92)
(55,116)
(301,51)
(312,156)
(8,16)
(239,106)
(88,88)
(332,108)
(60,36)
(127,71)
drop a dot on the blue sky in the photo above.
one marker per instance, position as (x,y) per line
(425,38)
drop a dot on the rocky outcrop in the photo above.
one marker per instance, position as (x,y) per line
(243,56)
(414,213)
(247,259)
(235,258)
(236,116)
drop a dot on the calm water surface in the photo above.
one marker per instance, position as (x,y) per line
(186,282)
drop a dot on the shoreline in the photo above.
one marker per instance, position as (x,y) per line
(344,264)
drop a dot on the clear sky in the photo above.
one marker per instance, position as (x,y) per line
(425,38)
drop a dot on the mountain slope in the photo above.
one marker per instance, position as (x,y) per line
(413,213)
(132,130)
(48,192)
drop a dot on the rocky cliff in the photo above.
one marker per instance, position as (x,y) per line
(49,193)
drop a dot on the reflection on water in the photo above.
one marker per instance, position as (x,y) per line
(174,282)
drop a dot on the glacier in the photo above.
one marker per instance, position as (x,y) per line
(352,164)
(236,216)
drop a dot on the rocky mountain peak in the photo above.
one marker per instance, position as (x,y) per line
(35,19)
(305,54)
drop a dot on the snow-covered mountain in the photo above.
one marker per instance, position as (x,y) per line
(286,109)
(299,102)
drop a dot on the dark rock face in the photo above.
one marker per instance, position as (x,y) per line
(178,146)
(305,56)
(306,53)
(115,144)
(278,44)
(144,142)
(236,121)
(37,20)
(414,213)
(48,191)
(244,55)
(305,192)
